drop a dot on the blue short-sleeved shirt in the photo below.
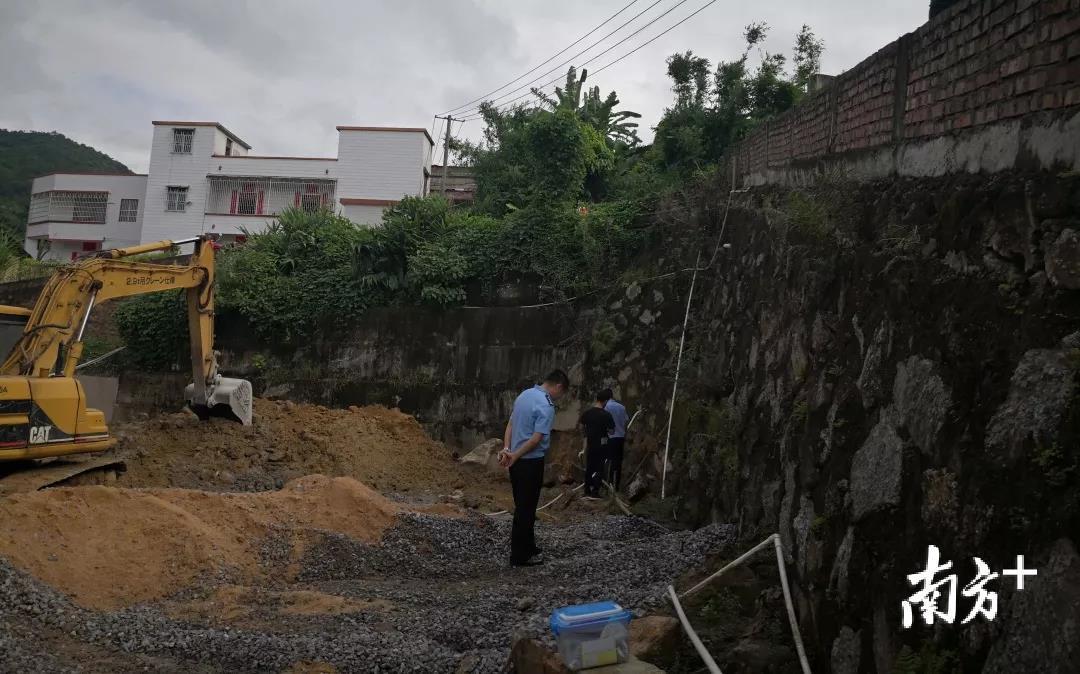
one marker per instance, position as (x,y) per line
(618,413)
(533,413)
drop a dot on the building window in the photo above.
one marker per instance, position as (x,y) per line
(181,140)
(176,200)
(90,246)
(129,210)
(86,207)
(228,147)
(248,201)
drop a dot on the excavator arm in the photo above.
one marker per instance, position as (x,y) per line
(52,341)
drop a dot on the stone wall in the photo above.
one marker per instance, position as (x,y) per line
(987,85)
(458,371)
(873,368)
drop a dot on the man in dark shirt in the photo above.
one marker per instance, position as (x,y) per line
(596,423)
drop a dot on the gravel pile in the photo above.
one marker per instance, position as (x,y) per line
(454,599)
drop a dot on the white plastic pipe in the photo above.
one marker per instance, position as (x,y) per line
(775,541)
(675,385)
(746,555)
(790,606)
(698,646)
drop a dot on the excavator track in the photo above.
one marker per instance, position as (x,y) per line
(21,477)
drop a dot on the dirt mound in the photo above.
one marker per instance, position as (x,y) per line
(383,448)
(108,547)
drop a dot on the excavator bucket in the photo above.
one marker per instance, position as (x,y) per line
(226,397)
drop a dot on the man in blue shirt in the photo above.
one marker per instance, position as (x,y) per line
(617,439)
(526,441)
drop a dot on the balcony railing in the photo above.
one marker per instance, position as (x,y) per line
(68,206)
(267,196)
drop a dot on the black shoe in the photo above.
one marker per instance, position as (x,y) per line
(532,561)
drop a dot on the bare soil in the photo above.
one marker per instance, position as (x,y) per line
(82,539)
(383,448)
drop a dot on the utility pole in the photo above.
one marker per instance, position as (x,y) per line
(446,153)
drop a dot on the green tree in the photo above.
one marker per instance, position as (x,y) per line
(25,155)
(705,118)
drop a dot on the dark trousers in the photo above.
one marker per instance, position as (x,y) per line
(595,466)
(526,480)
(615,448)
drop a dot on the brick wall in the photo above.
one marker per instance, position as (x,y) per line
(978,63)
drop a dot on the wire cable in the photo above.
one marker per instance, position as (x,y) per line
(535,68)
(608,65)
(583,51)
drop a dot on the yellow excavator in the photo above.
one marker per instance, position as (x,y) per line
(43,411)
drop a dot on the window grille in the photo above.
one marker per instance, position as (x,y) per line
(182,139)
(68,206)
(267,196)
(176,199)
(39,207)
(129,210)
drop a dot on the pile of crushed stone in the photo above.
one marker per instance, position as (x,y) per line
(383,448)
(108,547)
(435,595)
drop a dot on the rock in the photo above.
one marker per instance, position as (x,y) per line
(838,578)
(870,378)
(277,392)
(884,647)
(1040,625)
(525,603)
(1040,391)
(631,666)
(633,291)
(1063,260)
(821,334)
(802,531)
(846,651)
(486,456)
(468,664)
(225,477)
(758,655)
(1071,340)
(654,636)
(786,504)
(876,470)
(921,401)
(637,488)
(529,656)
(647,317)
(940,503)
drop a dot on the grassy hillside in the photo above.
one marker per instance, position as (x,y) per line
(25,155)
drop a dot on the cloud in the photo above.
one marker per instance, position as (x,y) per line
(283,74)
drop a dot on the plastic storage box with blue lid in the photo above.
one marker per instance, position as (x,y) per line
(592,635)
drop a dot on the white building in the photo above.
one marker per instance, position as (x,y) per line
(202,179)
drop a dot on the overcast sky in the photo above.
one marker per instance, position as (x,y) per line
(281,75)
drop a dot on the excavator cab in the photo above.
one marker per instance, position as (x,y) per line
(12,324)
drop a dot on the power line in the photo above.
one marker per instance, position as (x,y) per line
(583,51)
(535,68)
(591,58)
(608,65)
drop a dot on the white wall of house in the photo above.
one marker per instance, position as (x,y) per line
(375,165)
(55,225)
(364,215)
(381,164)
(169,169)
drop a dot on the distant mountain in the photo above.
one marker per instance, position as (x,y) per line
(25,155)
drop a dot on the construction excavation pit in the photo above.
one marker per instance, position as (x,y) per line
(315,540)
